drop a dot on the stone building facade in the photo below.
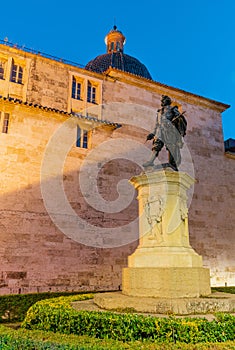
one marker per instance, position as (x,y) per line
(69,137)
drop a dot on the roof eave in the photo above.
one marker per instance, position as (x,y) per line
(58,111)
(161,88)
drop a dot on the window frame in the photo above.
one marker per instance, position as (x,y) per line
(2,70)
(82,138)
(76,93)
(91,93)
(16,73)
(5,123)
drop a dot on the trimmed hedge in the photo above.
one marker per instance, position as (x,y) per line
(38,340)
(13,308)
(230,290)
(57,315)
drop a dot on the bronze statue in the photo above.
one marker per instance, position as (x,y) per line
(169,131)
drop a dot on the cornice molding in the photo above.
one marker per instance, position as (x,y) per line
(163,89)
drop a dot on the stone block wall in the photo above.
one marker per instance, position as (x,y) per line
(211,216)
(35,254)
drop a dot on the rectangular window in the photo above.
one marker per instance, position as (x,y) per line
(82,138)
(20,75)
(85,139)
(1,70)
(91,93)
(13,73)
(78,142)
(16,73)
(76,89)
(5,125)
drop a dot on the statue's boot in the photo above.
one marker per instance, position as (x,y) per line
(173,165)
(172,161)
(150,162)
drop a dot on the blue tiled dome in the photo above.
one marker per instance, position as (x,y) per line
(119,61)
(115,57)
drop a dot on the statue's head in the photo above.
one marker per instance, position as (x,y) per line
(165,100)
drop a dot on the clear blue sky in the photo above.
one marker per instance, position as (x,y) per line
(186,44)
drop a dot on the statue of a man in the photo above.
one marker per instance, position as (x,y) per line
(169,131)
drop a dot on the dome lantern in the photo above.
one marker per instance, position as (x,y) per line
(115,40)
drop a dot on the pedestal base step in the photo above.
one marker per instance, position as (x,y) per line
(167,282)
(216,302)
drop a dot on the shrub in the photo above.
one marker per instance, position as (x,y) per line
(57,315)
(13,308)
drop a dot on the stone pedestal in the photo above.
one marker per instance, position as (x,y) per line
(164,264)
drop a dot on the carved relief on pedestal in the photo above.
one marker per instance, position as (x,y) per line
(154,209)
(184,214)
